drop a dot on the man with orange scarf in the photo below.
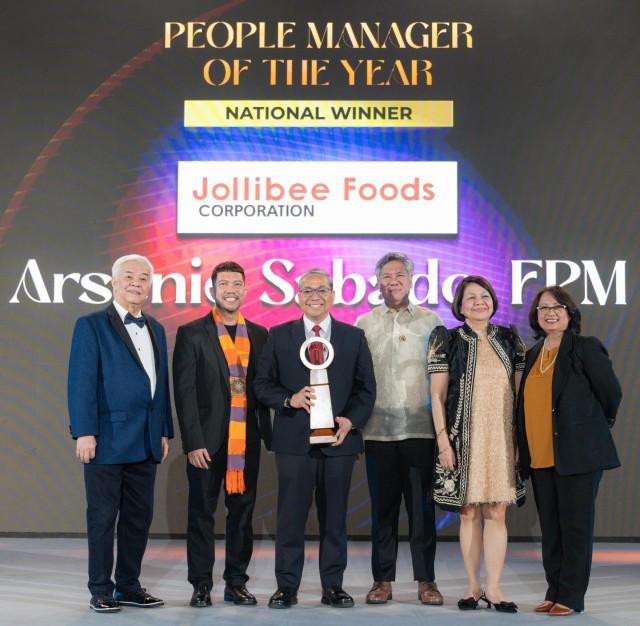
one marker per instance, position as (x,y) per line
(221,424)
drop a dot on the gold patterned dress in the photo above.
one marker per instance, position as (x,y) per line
(491,460)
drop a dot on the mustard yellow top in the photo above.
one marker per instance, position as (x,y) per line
(537,409)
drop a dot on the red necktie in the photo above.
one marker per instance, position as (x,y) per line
(316,349)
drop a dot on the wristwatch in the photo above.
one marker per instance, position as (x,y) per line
(287,403)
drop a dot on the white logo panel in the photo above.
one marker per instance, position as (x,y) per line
(317,198)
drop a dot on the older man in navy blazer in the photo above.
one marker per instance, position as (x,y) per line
(120,416)
(324,470)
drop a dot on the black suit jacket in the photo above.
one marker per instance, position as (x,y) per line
(201,387)
(585,399)
(281,373)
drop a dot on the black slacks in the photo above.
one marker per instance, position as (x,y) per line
(204,490)
(396,469)
(125,492)
(299,478)
(566,508)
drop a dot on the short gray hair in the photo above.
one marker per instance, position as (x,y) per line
(118,263)
(394,256)
(317,272)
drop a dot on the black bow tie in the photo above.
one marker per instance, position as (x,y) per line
(129,319)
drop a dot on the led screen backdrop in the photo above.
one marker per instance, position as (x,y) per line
(494,138)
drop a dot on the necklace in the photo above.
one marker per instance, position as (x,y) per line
(548,365)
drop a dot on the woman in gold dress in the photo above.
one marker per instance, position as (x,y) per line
(475,370)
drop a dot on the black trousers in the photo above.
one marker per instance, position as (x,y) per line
(299,479)
(204,490)
(125,492)
(566,508)
(396,469)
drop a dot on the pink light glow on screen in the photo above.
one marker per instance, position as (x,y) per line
(145,221)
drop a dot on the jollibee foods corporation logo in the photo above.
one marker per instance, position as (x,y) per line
(317,197)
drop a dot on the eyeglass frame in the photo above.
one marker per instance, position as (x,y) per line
(322,291)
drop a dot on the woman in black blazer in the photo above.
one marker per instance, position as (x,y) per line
(568,400)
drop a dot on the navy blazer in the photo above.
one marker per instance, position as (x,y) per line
(109,393)
(281,373)
(585,395)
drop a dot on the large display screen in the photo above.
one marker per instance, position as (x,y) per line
(489,138)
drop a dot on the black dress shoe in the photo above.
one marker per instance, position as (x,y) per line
(239,594)
(201,596)
(104,604)
(283,599)
(501,607)
(139,598)
(467,604)
(336,597)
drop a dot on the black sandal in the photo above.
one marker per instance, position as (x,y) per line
(467,604)
(501,607)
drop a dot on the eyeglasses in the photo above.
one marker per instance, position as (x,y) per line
(556,308)
(321,291)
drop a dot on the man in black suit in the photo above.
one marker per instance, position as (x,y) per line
(282,383)
(221,423)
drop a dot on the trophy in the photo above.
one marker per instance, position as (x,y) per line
(321,414)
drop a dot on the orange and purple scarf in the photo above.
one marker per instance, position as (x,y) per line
(237,355)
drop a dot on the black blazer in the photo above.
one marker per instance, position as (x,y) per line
(201,386)
(281,373)
(585,399)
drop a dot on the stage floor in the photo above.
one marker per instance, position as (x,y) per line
(43,581)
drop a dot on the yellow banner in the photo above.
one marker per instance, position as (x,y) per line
(318,113)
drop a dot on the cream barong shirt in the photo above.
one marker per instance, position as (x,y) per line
(398,343)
